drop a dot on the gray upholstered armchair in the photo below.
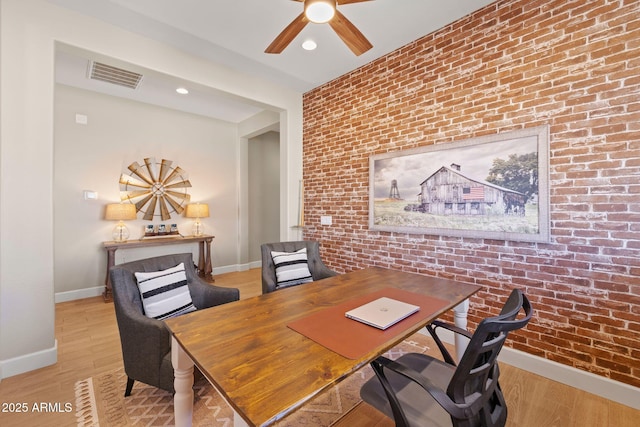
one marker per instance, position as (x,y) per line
(146,342)
(316,267)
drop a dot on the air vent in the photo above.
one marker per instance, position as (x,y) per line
(114,75)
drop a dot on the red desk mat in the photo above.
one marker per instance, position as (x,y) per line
(352,339)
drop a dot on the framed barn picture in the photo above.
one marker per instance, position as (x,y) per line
(494,186)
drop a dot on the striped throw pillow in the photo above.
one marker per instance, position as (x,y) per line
(165,293)
(291,268)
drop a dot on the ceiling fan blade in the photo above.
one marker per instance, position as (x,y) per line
(349,34)
(341,2)
(288,34)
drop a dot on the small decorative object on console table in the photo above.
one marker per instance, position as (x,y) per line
(120,212)
(197,211)
(151,231)
(204,258)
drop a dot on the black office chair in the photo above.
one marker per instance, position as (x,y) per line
(419,390)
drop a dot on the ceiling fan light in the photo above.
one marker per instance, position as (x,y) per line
(320,11)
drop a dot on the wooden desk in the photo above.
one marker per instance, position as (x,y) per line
(263,368)
(204,261)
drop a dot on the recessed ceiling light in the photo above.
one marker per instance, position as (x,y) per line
(309,45)
(182,91)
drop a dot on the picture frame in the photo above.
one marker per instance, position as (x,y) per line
(492,187)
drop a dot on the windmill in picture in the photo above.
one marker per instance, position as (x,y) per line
(394,193)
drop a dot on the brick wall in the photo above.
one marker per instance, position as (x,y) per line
(573,65)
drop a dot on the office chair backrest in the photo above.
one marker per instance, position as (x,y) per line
(477,372)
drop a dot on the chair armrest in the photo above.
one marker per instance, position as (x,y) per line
(321,271)
(432,328)
(268,282)
(205,295)
(317,267)
(456,410)
(145,341)
(453,328)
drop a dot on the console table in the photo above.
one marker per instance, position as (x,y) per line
(204,259)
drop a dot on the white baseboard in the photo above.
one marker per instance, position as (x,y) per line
(255,264)
(29,362)
(232,268)
(79,294)
(607,388)
(98,290)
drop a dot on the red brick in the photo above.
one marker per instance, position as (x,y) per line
(571,65)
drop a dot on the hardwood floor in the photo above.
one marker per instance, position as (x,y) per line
(89,344)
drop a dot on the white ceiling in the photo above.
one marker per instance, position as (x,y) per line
(235,33)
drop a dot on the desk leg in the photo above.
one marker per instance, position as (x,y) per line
(183,384)
(460,320)
(238,421)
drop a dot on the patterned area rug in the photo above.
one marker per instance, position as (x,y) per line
(100,400)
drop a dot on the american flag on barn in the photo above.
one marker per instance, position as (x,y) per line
(448,191)
(473,193)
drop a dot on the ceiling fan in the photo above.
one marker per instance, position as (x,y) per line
(321,11)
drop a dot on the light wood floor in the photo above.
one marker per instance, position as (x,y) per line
(88,344)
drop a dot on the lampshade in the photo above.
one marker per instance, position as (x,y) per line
(197,210)
(120,211)
(319,11)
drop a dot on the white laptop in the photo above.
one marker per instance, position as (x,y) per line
(382,313)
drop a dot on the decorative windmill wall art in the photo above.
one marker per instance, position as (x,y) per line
(157,189)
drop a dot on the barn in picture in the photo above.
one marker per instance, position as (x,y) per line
(448,191)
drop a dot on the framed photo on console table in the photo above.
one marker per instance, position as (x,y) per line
(493,186)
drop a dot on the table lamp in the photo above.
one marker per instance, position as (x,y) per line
(197,211)
(120,212)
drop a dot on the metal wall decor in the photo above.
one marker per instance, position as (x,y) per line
(157,189)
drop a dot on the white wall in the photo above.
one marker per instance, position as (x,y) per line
(92,156)
(264,192)
(28,35)
(266,121)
